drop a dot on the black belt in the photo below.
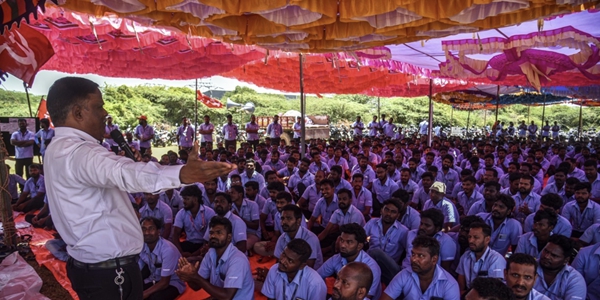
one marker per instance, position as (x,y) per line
(107,264)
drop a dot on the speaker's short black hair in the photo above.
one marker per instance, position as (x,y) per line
(66,92)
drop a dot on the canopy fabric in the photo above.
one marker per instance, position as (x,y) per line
(328,26)
(117,47)
(585,92)
(325,75)
(12,12)
(531,99)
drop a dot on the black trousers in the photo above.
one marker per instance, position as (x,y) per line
(143,150)
(228,143)
(21,163)
(254,144)
(100,284)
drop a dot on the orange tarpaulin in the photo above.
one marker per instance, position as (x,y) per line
(328,26)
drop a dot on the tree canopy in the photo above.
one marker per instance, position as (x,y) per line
(167,105)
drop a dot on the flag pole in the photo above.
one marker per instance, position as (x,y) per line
(28,101)
(302,111)
(196,111)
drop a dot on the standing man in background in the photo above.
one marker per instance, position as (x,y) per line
(87,190)
(298,129)
(230,132)
(23,140)
(44,136)
(144,133)
(185,135)
(107,129)
(274,131)
(252,132)
(358,127)
(555,130)
(206,131)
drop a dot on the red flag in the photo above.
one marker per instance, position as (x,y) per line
(23,51)
(43,112)
(208,101)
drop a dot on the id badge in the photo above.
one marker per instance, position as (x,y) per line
(502,237)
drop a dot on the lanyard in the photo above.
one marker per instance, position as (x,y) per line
(194,224)
(295,289)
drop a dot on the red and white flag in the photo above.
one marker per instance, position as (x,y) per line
(23,51)
(43,112)
(208,101)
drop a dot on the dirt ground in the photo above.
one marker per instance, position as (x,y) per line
(50,288)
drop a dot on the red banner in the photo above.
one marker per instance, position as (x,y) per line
(23,51)
(43,112)
(208,101)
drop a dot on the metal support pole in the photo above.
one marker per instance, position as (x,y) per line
(196,112)
(580,118)
(451,117)
(544,111)
(484,117)
(497,103)
(528,111)
(430,127)
(378,109)
(28,101)
(302,111)
(469,118)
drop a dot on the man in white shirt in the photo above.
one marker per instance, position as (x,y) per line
(298,128)
(358,127)
(85,183)
(185,135)
(23,140)
(252,132)
(374,127)
(389,128)
(274,131)
(206,131)
(230,132)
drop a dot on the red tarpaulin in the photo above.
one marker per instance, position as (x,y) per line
(208,101)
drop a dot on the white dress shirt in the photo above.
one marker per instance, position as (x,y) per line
(87,187)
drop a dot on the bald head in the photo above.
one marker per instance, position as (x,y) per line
(353,282)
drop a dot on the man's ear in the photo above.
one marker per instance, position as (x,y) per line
(77,112)
(362,292)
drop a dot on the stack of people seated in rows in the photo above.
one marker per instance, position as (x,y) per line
(387,218)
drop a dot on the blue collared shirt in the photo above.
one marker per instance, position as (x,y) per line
(295,179)
(392,242)
(528,244)
(353,215)
(231,270)
(447,208)
(312,195)
(41,137)
(532,200)
(467,202)
(324,210)
(448,247)
(368,174)
(420,197)
(238,230)
(337,262)
(307,284)
(450,179)
(407,283)
(144,132)
(313,168)
(12,185)
(344,184)
(411,218)
(506,234)
(255,177)
(586,263)
(34,187)
(194,227)
(411,187)
(23,152)
(477,208)
(306,235)
(563,226)
(581,221)
(175,203)
(248,211)
(568,284)
(591,235)
(363,199)
(162,262)
(161,211)
(491,264)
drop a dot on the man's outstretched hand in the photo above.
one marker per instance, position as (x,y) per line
(196,170)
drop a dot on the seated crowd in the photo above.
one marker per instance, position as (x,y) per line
(387,218)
